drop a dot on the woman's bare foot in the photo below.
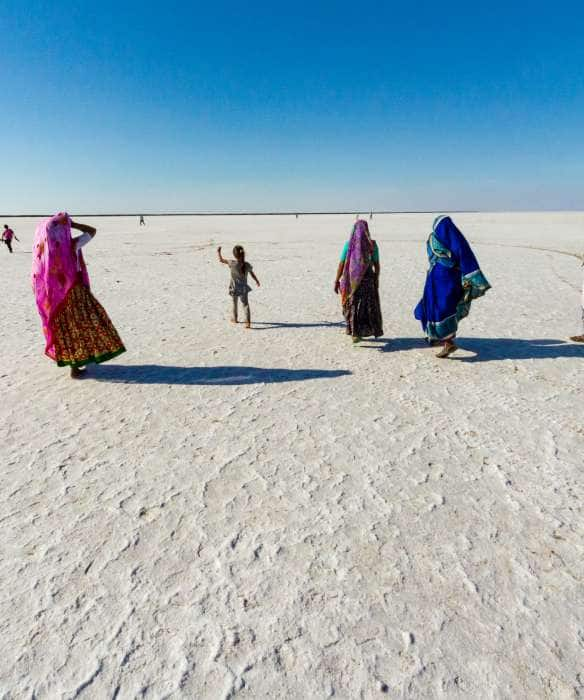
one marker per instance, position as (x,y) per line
(77,372)
(577,338)
(233,320)
(248,324)
(448,348)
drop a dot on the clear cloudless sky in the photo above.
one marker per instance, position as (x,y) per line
(261,106)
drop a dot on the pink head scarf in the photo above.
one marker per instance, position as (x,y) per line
(358,259)
(56,268)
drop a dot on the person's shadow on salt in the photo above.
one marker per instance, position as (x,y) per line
(269,325)
(393,344)
(189,376)
(490,349)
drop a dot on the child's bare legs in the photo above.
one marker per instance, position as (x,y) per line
(579,338)
(246,311)
(245,303)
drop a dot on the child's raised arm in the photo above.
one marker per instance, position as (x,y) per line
(221,258)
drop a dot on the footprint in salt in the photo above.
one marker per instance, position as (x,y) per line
(437,500)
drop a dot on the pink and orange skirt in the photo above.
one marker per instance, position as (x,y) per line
(83,332)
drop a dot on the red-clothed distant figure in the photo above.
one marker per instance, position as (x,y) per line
(7,236)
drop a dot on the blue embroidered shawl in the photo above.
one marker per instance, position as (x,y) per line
(454,279)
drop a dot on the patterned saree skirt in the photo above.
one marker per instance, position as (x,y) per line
(83,331)
(362,311)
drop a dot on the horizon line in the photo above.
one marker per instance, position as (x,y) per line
(353,212)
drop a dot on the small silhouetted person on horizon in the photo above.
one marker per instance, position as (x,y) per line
(7,236)
(142,222)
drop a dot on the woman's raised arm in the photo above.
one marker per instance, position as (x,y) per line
(85,228)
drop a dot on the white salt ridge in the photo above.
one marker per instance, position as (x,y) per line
(273,513)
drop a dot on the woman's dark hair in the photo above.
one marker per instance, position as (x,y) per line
(239,255)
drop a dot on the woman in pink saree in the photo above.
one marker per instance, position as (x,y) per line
(76,327)
(358,282)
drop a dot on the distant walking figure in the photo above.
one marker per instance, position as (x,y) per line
(76,327)
(454,279)
(238,287)
(142,222)
(358,281)
(7,236)
(580,338)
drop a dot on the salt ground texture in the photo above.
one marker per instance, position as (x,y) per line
(222,513)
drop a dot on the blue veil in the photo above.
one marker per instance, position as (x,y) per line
(454,279)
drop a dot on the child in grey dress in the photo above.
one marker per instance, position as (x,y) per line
(238,286)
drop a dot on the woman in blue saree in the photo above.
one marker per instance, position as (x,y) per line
(454,279)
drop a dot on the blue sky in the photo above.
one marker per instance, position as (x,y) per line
(224,106)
